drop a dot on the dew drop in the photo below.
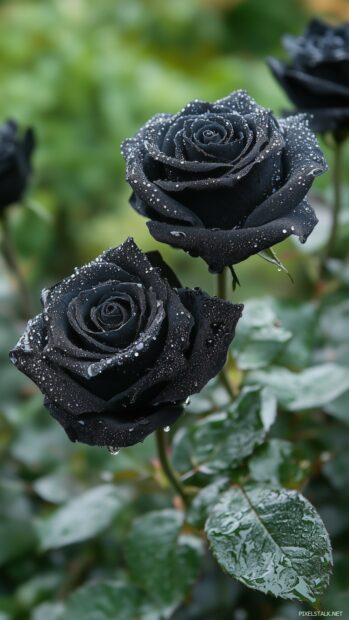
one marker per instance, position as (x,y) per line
(167,429)
(177,233)
(187,401)
(113,450)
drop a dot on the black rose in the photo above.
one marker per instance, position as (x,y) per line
(15,155)
(224,180)
(317,79)
(116,350)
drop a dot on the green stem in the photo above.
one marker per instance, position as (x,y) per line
(10,259)
(222,284)
(223,293)
(337,203)
(167,467)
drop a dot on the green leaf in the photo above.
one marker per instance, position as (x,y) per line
(221,441)
(81,518)
(108,600)
(260,337)
(163,561)
(278,463)
(337,471)
(301,319)
(339,407)
(204,500)
(48,611)
(313,387)
(57,487)
(17,537)
(271,540)
(333,333)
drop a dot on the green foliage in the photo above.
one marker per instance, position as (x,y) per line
(222,440)
(82,517)
(163,561)
(272,540)
(87,535)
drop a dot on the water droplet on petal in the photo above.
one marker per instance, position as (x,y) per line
(112,450)
(177,233)
(167,429)
(187,401)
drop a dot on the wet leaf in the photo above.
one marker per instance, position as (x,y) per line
(81,518)
(48,611)
(339,407)
(337,471)
(108,600)
(279,463)
(204,500)
(260,336)
(17,537)
(271,540)
(57,487)
(162,560)
(310,388)
(222,440)
(301,320)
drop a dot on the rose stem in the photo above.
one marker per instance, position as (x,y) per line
(10,259)
(222,293)
(167,467)
(222,284)
(337,202)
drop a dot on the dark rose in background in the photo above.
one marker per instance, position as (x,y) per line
(15,156)
(117,350)
(317,78)
(224,180)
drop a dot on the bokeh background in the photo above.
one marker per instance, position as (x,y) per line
(86,75)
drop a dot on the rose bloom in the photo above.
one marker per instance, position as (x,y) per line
(224,180)
(15,156)
(317,78)
(117,349)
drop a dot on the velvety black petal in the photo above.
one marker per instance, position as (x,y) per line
(213,330)
(30,357)
(308,91)
(228,247)
(303,160)
(118,430)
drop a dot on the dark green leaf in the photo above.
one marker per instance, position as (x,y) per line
(333,333)
(278,463)
(301,320)
(272,540)
(16,538)
(108,600)
(81,518)
(57,487)
(48,611)
(204,500)
(337,471)
(162,560)
(222,440)
(313,387)
(260,336)
(339,407)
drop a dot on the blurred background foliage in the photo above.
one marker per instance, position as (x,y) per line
(86,75)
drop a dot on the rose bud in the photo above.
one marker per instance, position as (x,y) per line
(317,78)
(224,180)
(117,350)
(15,156)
